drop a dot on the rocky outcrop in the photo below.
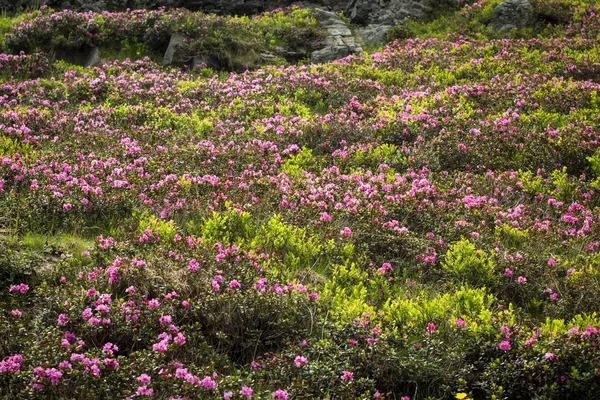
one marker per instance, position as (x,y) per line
(373,35)
(174,56)
(386,12)
(372,18)
(93,59)
(339,41)
(512,14)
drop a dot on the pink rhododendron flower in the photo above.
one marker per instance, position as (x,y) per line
(22,288)
(460,323)
(280,395)
(346,232)
(504,345)
(144,391)
(347,376)
(246,391)
(300,361)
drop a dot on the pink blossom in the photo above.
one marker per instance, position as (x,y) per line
(246,391)
(193,265)
(144,391)
(179,339)
(63,319)
(385,268)
(300,361)
(11,364)
(347,376)
(22,288)
(86,314)
(153,304)
(504,345)
(208,383)
(161,346)
(280,395)
(346,232)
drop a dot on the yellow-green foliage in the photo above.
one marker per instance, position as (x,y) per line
(6,24)
(469,265)
(164,229)
(298,249)
(231,226)
(8,147)
(595,163)
(565,187)
(472,305)
(348,293)
(299,162)
(511,237)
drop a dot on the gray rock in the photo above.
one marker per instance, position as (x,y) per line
(339,41)
(374,35)
(352,44)
(386,12)
(93,59)
(174,55)
(339,31)
(334,41)
(267,56)
(512,14)
(329,54)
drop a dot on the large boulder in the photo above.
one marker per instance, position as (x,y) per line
(374,35)
(93,59)
(176,54)
(329,53)
(386,12)
(512,14)
(339,41)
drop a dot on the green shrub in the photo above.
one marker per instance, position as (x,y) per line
(469,265)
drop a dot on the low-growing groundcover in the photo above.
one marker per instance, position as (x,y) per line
(419,222)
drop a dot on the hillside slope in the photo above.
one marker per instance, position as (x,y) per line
(419,222)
